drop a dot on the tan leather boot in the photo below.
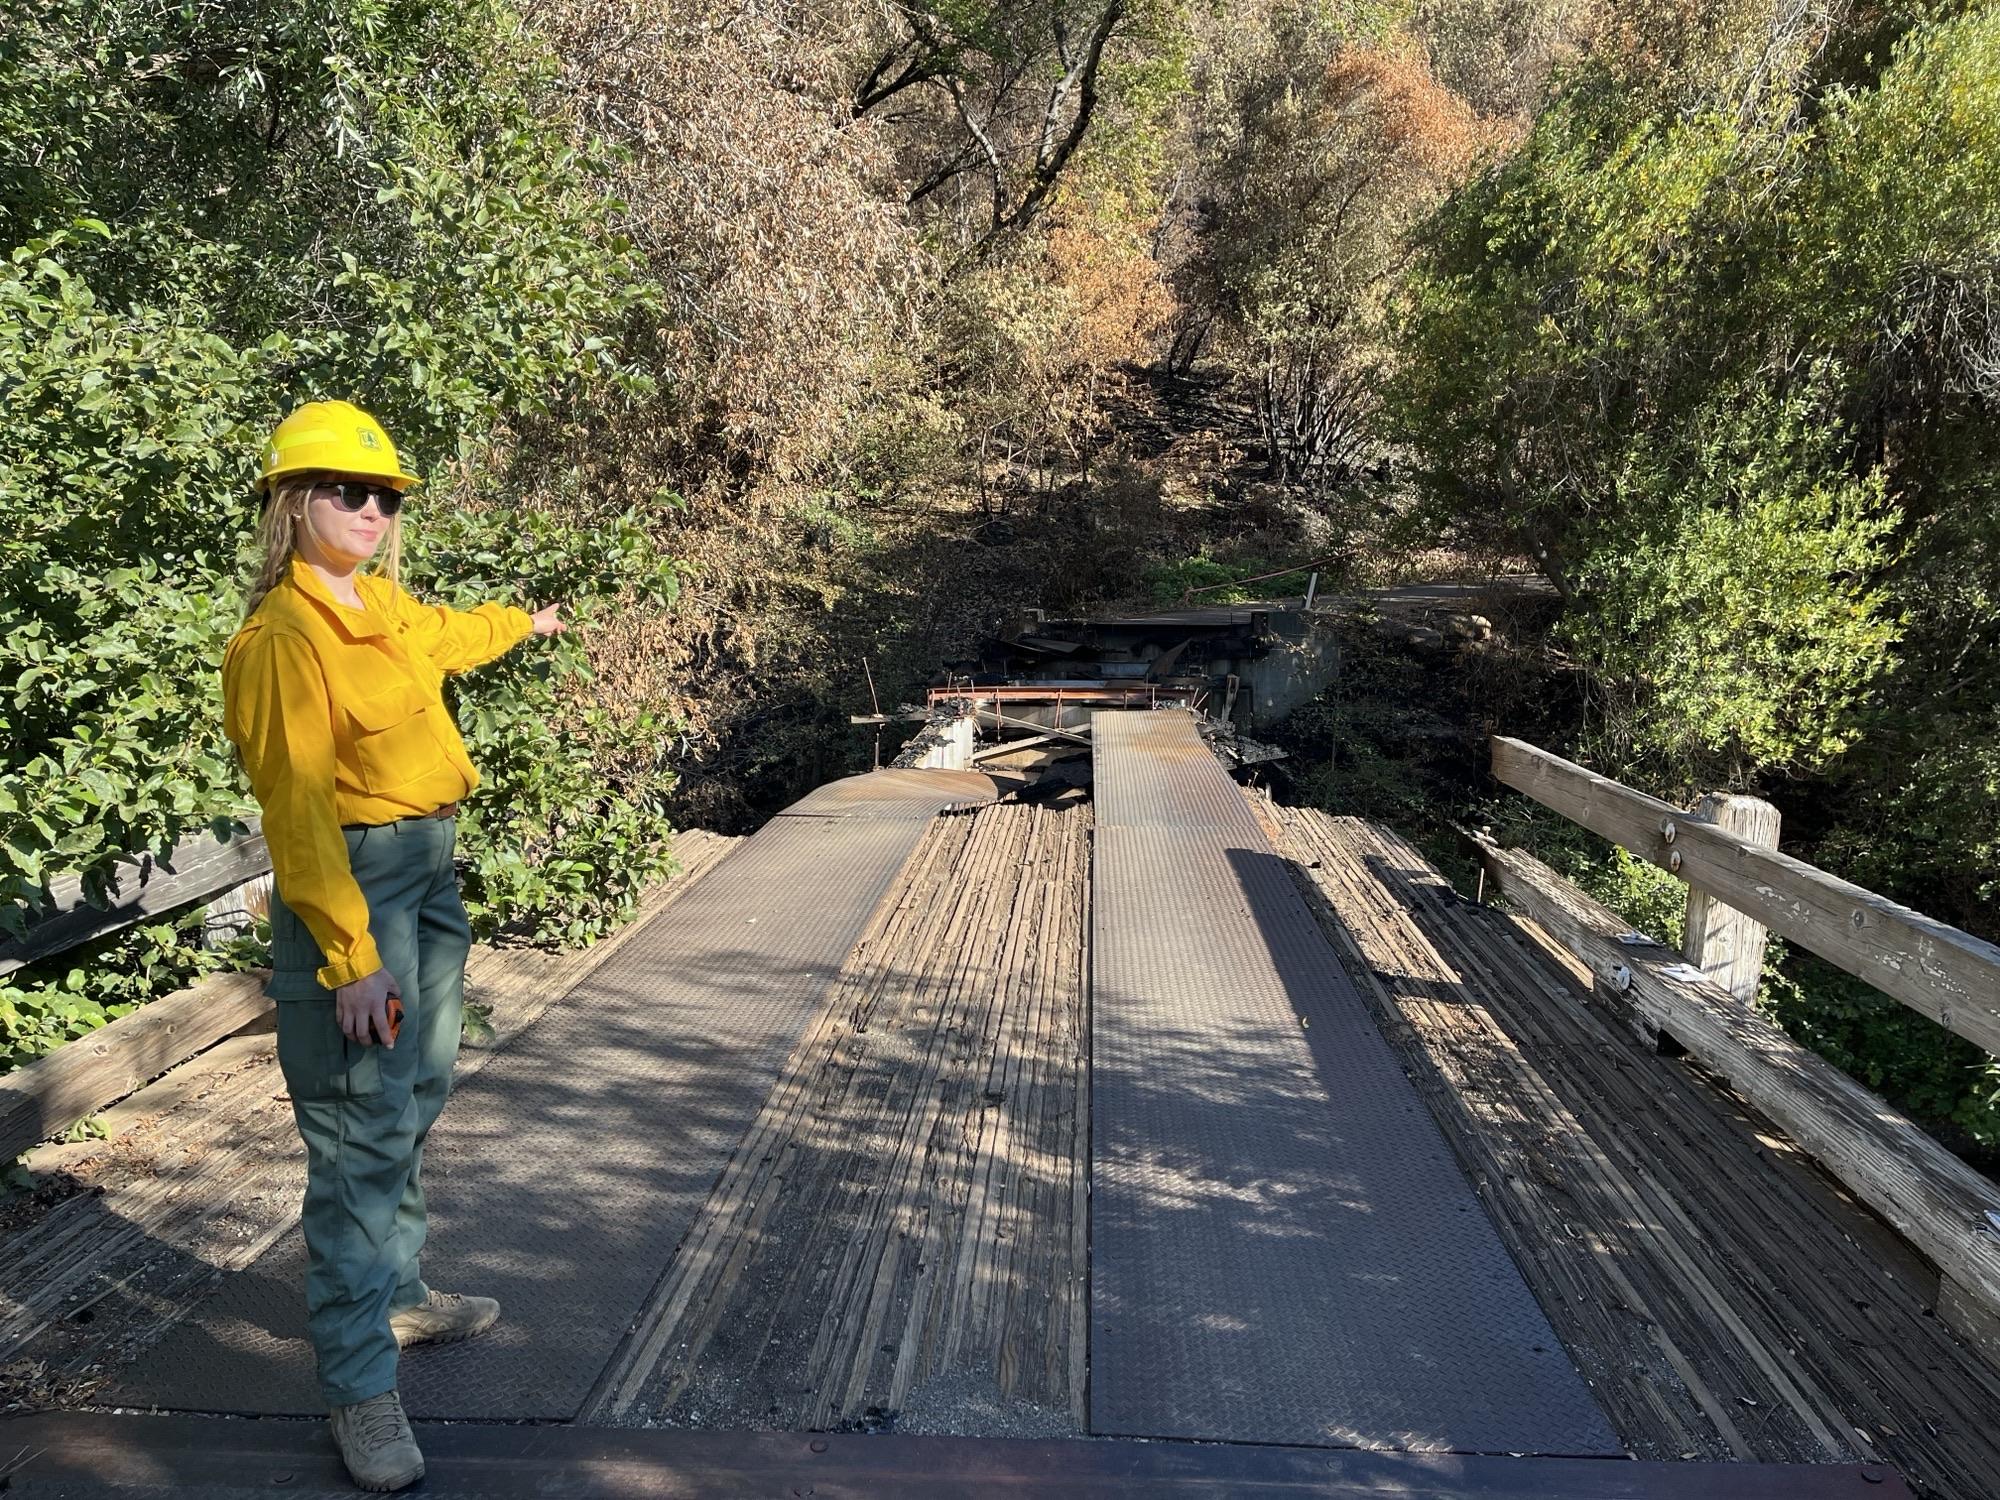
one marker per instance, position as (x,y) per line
(446,1318)
(376,1443)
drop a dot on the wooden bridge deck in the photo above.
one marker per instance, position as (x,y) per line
(901,1240)
(1725,1298)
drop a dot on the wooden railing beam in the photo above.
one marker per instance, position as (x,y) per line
(197,869)
(80,1077)
(1935,969)
(1930,1197)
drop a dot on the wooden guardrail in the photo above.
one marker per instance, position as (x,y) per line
(1935,969)
(1935,1201)
(81,1077)
(197,869)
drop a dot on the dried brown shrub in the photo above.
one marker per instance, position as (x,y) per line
(826,393)
(1122,301)
(763,208)
(1498,54)
(1332,159)
(1389,108)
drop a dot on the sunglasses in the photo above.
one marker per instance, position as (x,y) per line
(353,494)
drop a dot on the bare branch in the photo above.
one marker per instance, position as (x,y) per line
(985,145)
(925,64)
(1048,167)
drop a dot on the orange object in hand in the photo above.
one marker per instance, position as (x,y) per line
(395,1009)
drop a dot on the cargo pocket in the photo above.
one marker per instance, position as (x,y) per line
(296,958)
(317,1061)
(394,742)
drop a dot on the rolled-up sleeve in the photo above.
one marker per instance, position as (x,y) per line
(459,640)
(278,714)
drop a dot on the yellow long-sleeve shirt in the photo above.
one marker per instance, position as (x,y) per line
(339,716)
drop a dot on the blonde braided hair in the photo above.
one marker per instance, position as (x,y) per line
(278,539)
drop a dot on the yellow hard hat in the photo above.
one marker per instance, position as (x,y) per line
(334,437)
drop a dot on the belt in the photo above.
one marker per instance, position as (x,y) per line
(449,810)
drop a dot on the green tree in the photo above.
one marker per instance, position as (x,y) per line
(1715,348)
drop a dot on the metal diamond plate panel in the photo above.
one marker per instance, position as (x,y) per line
(898,792)
(564,1174)
(1283,1250)
(1152,769)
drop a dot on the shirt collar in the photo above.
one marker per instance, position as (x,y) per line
(356,625)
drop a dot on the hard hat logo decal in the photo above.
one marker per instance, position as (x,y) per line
(368,438)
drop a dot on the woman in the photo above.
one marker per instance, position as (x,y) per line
(331,694)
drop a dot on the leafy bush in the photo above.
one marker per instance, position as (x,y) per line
(1715,348)
(1734,616)
(227,216)
(577,826)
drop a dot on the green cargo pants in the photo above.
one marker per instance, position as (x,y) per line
(364,1110)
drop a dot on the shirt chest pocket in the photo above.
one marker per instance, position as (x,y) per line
(395,741)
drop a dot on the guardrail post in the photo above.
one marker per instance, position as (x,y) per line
(1722,942)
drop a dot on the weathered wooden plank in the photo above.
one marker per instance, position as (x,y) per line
(1049,731)
(1688,1202)
(1525,1151)
(172,1089)
(1075,1329)
(1961,1312)
(80,1077)
(930,1100)
(1948,975)
(1574,1139)
(673,1332)
(1010,747)
(1843,1304)
(884,1240)
(197,868)
(1720,1224)
(1928,1195)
